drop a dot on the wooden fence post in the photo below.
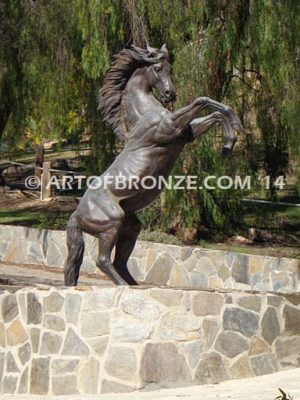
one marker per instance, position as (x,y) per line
(39,160)
(46,192)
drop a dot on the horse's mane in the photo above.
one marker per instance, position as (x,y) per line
(123,66)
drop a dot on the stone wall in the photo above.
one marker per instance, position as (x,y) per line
(161,264)
(71,341)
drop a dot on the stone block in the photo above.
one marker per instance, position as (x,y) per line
(274,301)
(64,385)
(241,368)
(291,317)
(2,362)
(256,264)
(169,298)
(231,344)
(2,335)
(121,363)
(258,346)
(288,347)
(270,325)
(280,279)
(193,351)
(16,334)
(115,387)
(34,309)
(210,329)
(89,266)
(50,343)
(88,377)
(134,267)
(264,364)
(16,251)
(163,364)
(9,384)
(211,369)
(223,272)
(160,270)
(74,346)
(62,367)
(56,254)
(10,363)
(177,325)
(138,306)
(98,344)
(24,382)
(22,303)
(34,235)
(245,322)
(3,250)
(198,280)
(35,254)
(229,259)
(207,303)
(53,322)
(129,330)
(95,323)
(39,376)
(35,334)
(9,308)
(179,277)
(24,353)
(103,300)
(53,303)
(240,269)
(72,307)
(250,302)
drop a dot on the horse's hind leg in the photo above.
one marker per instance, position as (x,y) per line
(124,246)
(75,246)
(107,241)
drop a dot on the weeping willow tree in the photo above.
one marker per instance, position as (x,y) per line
(244,54)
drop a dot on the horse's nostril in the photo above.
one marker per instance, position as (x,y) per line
(167,93)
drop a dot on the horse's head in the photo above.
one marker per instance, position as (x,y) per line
(159,75)
(155,68)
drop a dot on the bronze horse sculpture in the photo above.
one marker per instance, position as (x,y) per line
(154,138)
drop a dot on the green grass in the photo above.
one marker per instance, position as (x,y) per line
(276,251)
(34,219)
(23,218)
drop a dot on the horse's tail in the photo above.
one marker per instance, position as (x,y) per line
(75,244)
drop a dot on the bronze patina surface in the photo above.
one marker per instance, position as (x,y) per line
(154,138)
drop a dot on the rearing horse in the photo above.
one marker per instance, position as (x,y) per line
(154,138)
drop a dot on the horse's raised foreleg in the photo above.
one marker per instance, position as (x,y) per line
(107,241)
(201,125)
(75,246)
(184,116)
(124,246)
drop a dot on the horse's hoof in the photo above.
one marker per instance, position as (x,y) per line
(226,151)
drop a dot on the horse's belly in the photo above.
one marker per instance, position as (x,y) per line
(140,200)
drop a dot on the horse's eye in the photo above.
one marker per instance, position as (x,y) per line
(157,69)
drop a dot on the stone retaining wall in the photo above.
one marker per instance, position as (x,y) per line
(179,266)
(71,341)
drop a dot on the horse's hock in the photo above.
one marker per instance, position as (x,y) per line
(120,339)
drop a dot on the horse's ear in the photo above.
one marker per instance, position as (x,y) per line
(137,49)
(164,50)
(152,52)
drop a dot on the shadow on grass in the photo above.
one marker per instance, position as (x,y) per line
(19,217)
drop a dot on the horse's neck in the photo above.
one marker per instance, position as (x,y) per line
(137,101)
